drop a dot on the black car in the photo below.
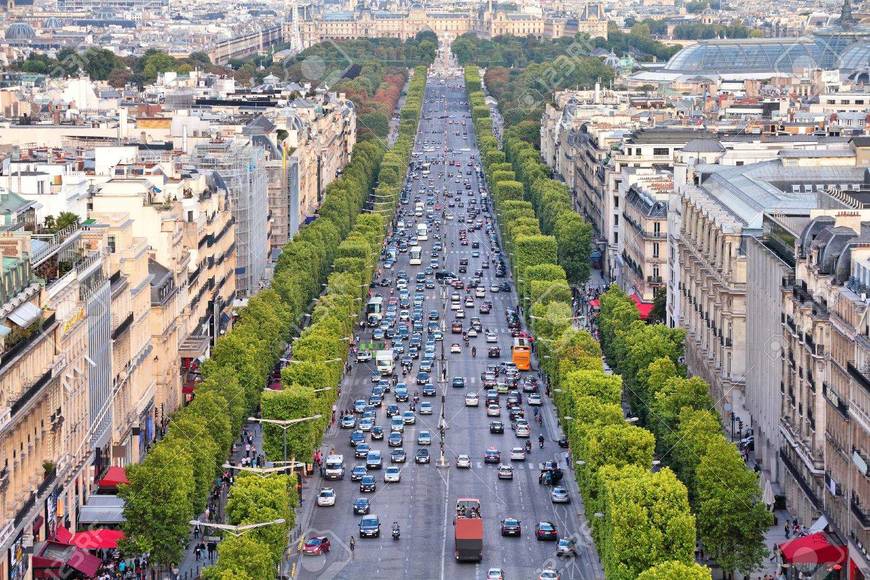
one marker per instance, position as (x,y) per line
(511,527)
(361,506)
(458,382)
(494,352)
(397,456)
(496,427)
(369,527)
(429,390)
(367,484)
(422,456)
(546,531)
(377,433)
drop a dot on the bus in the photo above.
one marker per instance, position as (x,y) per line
(425,169)
(375,311)
(416,253)
(521,353)
(422,232)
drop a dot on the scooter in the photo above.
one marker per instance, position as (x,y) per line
(395,532)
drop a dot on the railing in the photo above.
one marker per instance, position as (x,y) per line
(862,516)
(123,326)
(31,392)
(53,243)
(22,345)
(799,478)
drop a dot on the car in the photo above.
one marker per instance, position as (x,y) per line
(422,377)
(397,456)
(493,352)
(546,531)
(463,462)
(409,417)
(395,439)
(560,495)
(491,337)
(522,431)
(348,422)
(377,433)
(511,527)
(460,314)
(369,526)
(428,390)
(392,474)
(422,456)
(401,394)
(518,454)
(326,497)
(367,484)
(472,400)
(549,574)
(373,459)
(505,472)
(424,438)
(496,427)
(392,410)
(455,348)
(358,472)
(361,450)
(366,424)
(566,547)
(495,574)
(363,355)
(456,328)
(361,506)
(535,399)
(492,455)
(425,408)
(458,382)
(316,546)
(493,410)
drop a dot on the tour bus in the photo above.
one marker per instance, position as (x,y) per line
(521,353)
(416,253)
(422,232)
(375,311)
(425,169)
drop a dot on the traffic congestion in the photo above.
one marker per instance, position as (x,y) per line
(445,459)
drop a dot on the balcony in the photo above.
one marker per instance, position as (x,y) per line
(21,346)
(49,245)
(122,328)
(859,376)
(799,478)
(859,513)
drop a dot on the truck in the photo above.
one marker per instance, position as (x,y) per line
(384,362)
(375,311)
(334,467)
(468,530)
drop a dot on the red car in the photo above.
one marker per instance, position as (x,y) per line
(316,546)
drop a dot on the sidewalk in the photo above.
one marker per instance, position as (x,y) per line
(190,567)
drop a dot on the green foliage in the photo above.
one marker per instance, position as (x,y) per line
(676,571)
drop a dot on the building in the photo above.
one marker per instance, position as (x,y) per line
(645,228)
(826,342)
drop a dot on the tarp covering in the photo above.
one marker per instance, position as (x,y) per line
(643,308)
(52,558)
(114,477)
(813,549)
(97,539)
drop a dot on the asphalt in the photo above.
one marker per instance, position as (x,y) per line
(423,502)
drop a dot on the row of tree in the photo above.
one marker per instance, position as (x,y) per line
(645,525)
(171,486)
(723,492)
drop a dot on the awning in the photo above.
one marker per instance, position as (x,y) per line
(595,303)
(97,539)
(25,315)
(114,477)
(102,510)
(813,549)
(643,308)
(62,535)
(50,559)
(194,346)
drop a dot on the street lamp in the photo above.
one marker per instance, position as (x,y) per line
(632,419)
(237,530)
(328,361)
(285,424)
(260,471)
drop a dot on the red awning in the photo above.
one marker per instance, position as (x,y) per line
(97,539)
(643,308)
(813,549)
(62,535)
(114,477)
(51,558)
(595,303)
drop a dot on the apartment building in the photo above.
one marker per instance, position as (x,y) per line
(46,177)
(645,225)
(720,209)
(825,420)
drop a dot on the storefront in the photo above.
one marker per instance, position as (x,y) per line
(18,561)
(56,560)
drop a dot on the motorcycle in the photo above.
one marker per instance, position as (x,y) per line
(395,531)
(473,351)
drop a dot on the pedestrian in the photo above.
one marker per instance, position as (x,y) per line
(352,546)
(787,531)
(247,449)
(196,552)
(322,470)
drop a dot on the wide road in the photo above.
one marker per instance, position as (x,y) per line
(423,503)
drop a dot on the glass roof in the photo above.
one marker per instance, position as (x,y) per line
(747,56)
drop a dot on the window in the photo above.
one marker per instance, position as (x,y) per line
(190,216)
(657,228)
(661,151)
(112,244)
(656,273)
(615,201)
(616,219)
(739,163)
(655,250)
(615,237)
(40,187)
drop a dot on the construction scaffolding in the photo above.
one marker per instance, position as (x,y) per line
(241,168)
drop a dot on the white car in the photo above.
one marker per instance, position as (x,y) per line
(535,399)
(493,410)
(326,497)
(392,474)
(455,348)
(480,293)
(522,431)
(460,314)
(518,454)
(463,462)
(560,495)
(505,472)
(472,399)
(425,408)
(495,574)
(491,337)
(472,333)
(549,574)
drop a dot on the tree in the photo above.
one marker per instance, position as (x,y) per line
(672,570)
(674,396)
(574,237)
(294,402)
(241,557)
(732,519)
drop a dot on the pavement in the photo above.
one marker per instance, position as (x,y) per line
(423,502)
